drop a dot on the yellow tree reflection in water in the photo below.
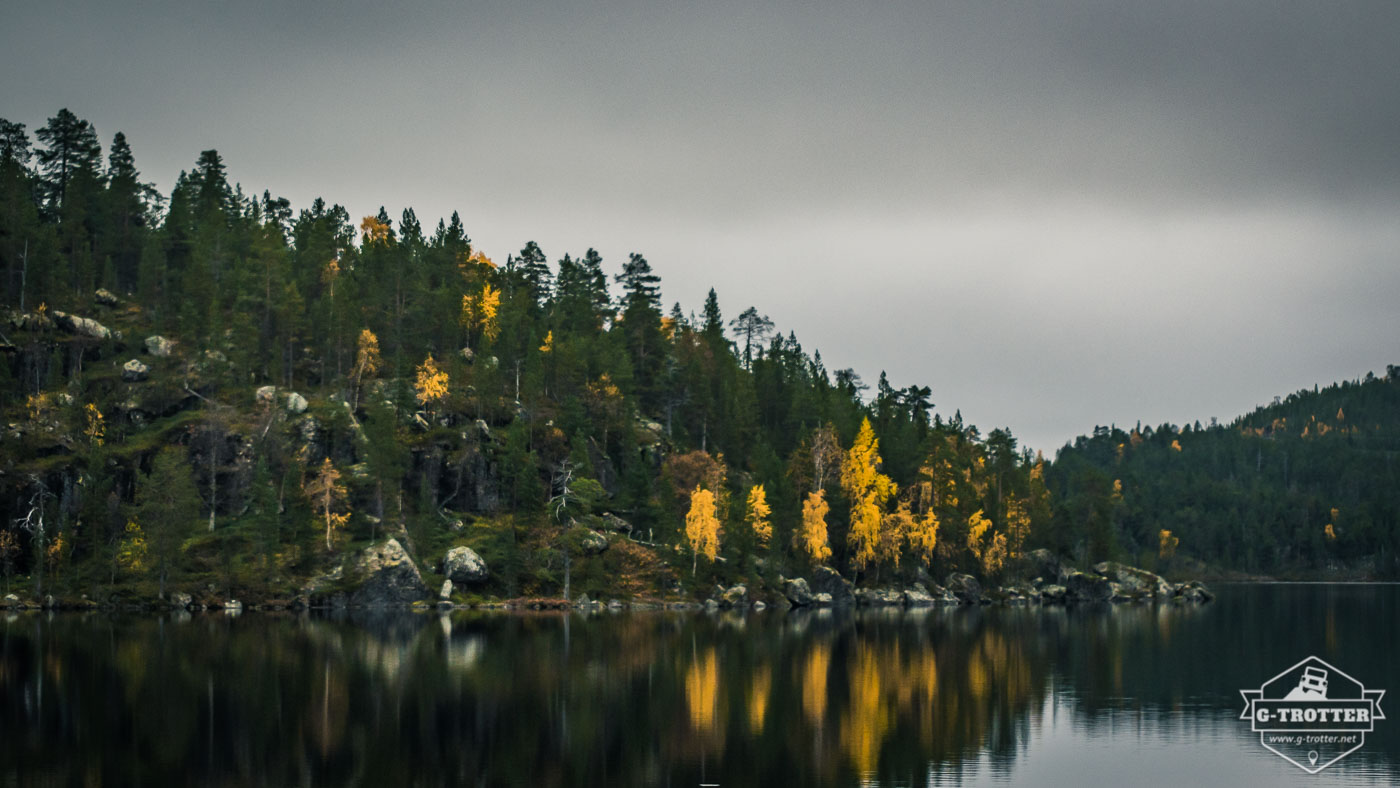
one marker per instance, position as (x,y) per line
(814,682)
(758,698)
(702,691)
(867,717)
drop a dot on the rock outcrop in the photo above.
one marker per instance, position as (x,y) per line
(134,371)
(1194,591)
(158,346)
(826,580)
(296,403)
(389,577)
(593,543)
(965,587)
(463,565)
(80,326)
(1086,587)
(734,597)
(798,592)
(1134,582)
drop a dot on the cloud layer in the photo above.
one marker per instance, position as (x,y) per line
(1055,214)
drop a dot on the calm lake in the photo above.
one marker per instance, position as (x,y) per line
(1132,695)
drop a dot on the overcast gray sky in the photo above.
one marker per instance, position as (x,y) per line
(1055,214)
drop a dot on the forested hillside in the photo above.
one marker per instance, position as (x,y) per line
(212,388)
(1306,485)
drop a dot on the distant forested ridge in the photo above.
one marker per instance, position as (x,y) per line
(212,388)
(1308,483)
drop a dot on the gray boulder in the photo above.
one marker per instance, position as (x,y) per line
(614,523)
(826,580)
(1053,593)
(593,543)
(917,596)
(105,297)
(134,371)
(446,593)
(737,596)
(1043,564)
(1135,582)
(390,577)
(822,600)
(463,565)
(878,597)
(265,395)
(158,346)
(181,600)
(965,587)
(296,403)
(1194,591)
(798,592)
(81,326)
(1086,587)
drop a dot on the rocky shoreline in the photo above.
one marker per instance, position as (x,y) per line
(384,576)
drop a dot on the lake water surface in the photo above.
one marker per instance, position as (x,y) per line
(1132,695)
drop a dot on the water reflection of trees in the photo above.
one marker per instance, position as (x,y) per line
(551,699)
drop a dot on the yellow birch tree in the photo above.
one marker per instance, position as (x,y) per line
(868,490)
(702,526)
(811,539)
(758,512)
(431,383)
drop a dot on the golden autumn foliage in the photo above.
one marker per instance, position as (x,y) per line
(53,553)
(923,535)
(131,552)
(374,231)
(367,360)
(702,526)
(810,539)
(548,345)
(479,312)
(431,383)
(467,261)
(988,546)
(1176,444)
(1166,544)
(94,429)
(868,490)
(896,528)
(757,512)
(1330,533)
(327,494)
(38,406)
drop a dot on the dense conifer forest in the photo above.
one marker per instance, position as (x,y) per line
(216,389)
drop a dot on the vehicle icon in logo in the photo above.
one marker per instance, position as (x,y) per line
(1312,714)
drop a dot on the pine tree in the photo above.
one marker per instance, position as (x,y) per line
(167,508)
(71,148)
